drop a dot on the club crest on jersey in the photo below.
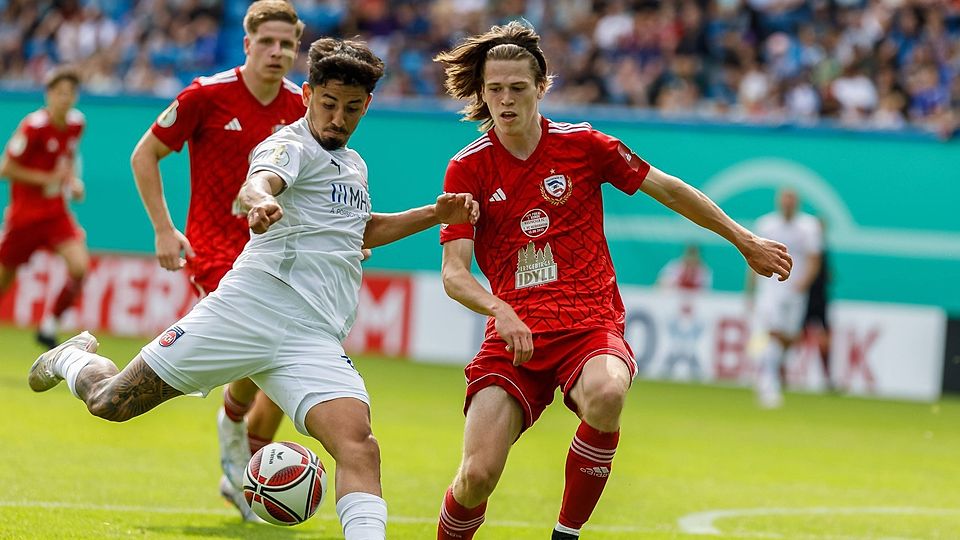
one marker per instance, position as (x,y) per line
(535,266)
(534,223)
(170,336)
(556,189)
(169,115)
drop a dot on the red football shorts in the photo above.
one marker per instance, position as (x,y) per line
(558,359)
(18,242)
(206,278)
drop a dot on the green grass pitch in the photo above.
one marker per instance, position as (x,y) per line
(692,458)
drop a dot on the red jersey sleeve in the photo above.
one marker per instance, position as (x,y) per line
(176,123)
(618,164)
(21,143)
(458,179)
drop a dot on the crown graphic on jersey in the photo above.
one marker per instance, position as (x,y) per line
(233,125)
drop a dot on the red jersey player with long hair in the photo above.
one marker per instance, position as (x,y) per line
(556,317)
(41,162)
(222,118)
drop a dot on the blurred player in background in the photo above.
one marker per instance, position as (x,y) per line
(688,273)
(281,314)
(41,161)
(222,118)
(556,317)
(779,306)
(816,321)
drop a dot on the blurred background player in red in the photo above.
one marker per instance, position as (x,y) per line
(556,318)
(222,118)
(687,273)
(41,161)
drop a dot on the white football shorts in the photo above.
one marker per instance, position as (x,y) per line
(781,311)
(256,326)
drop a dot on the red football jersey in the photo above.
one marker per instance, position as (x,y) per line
(540,239)
(38,144)
(222,122)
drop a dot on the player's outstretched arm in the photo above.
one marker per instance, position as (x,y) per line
(766,257)
(37,177)
(258,198)
(451,208)
(145,163)
(459,284)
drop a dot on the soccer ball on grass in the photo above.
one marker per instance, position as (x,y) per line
(284,483)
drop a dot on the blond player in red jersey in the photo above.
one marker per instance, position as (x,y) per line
(556,317)
(41,162)
(222,118)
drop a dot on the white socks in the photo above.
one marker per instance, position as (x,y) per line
(68,365)
(363,516)
(770,361)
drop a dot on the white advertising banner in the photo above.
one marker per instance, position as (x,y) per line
(882,350)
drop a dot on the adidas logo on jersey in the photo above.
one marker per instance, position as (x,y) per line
(599,472)
(498,195)
(233,125)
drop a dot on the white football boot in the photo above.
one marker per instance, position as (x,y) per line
(235,497)
(234,448)
(42,376)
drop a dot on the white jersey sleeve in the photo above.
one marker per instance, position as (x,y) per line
(279,155)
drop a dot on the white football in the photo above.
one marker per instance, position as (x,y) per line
(285,483)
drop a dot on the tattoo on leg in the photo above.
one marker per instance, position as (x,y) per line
(132,392)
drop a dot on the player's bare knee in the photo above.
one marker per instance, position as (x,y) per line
(604,403)
(478,480)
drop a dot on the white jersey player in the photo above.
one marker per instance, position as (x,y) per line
(280,315)
(779,306)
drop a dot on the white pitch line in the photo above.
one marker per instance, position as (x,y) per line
(231,512)
(702,522)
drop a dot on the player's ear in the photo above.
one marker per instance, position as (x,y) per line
(246,44)
(307,92)
(366,104)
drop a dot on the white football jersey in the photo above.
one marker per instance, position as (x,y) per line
(315,246)
(802,237)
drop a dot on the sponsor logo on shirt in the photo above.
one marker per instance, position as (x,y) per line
(556,188)
(351,196)
(534,223)
(233,125)
(498,196)
(169,115)
(170,336)
(629,156)
(535,266)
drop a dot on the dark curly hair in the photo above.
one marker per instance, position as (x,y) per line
(349,61)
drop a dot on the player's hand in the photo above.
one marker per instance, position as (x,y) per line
(77,189)
(767,257)
(365,254)
(516,334)
(456,208)
(170,245)
(263,215)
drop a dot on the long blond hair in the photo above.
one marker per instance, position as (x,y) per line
(464,65)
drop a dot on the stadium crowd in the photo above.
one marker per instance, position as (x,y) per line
(866,64)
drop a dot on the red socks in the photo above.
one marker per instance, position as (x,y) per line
(588,467)
(457,522)
(234,409)
(67,296)
(256,443)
